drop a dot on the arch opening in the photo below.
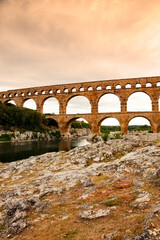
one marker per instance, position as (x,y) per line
(109,103)
(81,89)
(73,89)
(139,101)
(138,85)
(50,122)
(30,103)
(110,128)
(108,87)
(66,90)
(139,124)
(128,85)
(118,86)
(78,104)
(51,106)
(79,127)
(10,102)
(148,84)
(99,88)
(90,89)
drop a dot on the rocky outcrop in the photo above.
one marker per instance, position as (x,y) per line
(18,136)
(99,179)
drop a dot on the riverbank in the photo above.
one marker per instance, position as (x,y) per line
(18,136)
(99,191)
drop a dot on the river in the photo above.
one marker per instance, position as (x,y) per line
(10,152)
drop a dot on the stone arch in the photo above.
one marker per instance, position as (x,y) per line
(74,119)
(118,86)
(51,122)
(128,85)
(81,89)
(58,91)
(90,88)
(66,90)
(79,106)
(73,89)
(10,101)
(139,121)
(139,101)
(110,123)
(66,127)
(98,88)
(138,85)
(50,105)
(109,102)
(148,84)
(108,87)
(30,103)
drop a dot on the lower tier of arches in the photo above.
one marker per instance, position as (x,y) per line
(95,120)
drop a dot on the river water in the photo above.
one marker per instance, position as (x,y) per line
(10,152)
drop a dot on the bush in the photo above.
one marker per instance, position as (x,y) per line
(117,136)
(105,136)
(6,137)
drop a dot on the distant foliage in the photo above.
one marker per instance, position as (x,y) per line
(139,128)
(24,118)
(78,124)
(109,129)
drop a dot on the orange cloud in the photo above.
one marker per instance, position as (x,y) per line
(58,41)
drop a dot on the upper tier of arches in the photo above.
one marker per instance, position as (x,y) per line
(117,85)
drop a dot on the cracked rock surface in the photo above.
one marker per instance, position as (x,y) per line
(119,178)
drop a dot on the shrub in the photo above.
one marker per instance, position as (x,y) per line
(117,136)
(105,136)
(6,137)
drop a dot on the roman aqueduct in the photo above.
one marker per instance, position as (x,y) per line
(93,91)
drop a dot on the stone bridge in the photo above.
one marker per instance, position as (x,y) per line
(93,91)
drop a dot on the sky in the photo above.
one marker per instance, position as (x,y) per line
(47,42)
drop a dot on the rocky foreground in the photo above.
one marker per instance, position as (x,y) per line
(99,191)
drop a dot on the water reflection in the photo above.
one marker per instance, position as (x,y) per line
(15,151)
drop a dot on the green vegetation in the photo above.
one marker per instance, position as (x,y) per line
(105,136)
(78,124)
(56,134)
(19,117)
(109,129)
(70,234)
(139,128)
(110,203)
(6,137)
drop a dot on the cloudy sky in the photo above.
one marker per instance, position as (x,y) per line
(44,42)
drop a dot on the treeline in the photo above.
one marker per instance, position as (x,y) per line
(130,128)
(19,117)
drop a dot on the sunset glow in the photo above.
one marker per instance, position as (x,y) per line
(47,42)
